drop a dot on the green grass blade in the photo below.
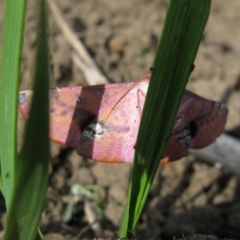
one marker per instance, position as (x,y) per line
(183,28)
(28,198)
(9,84)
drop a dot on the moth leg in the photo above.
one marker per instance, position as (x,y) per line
(152,69)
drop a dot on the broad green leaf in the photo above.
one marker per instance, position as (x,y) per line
(29,193)
(183,28)
(9,84)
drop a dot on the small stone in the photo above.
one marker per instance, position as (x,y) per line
(117,44)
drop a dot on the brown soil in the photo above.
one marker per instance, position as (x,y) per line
(189,196)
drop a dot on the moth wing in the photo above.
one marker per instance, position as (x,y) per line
(72,109)
(179,141)
(111,137)
(206,119)
(198,123)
